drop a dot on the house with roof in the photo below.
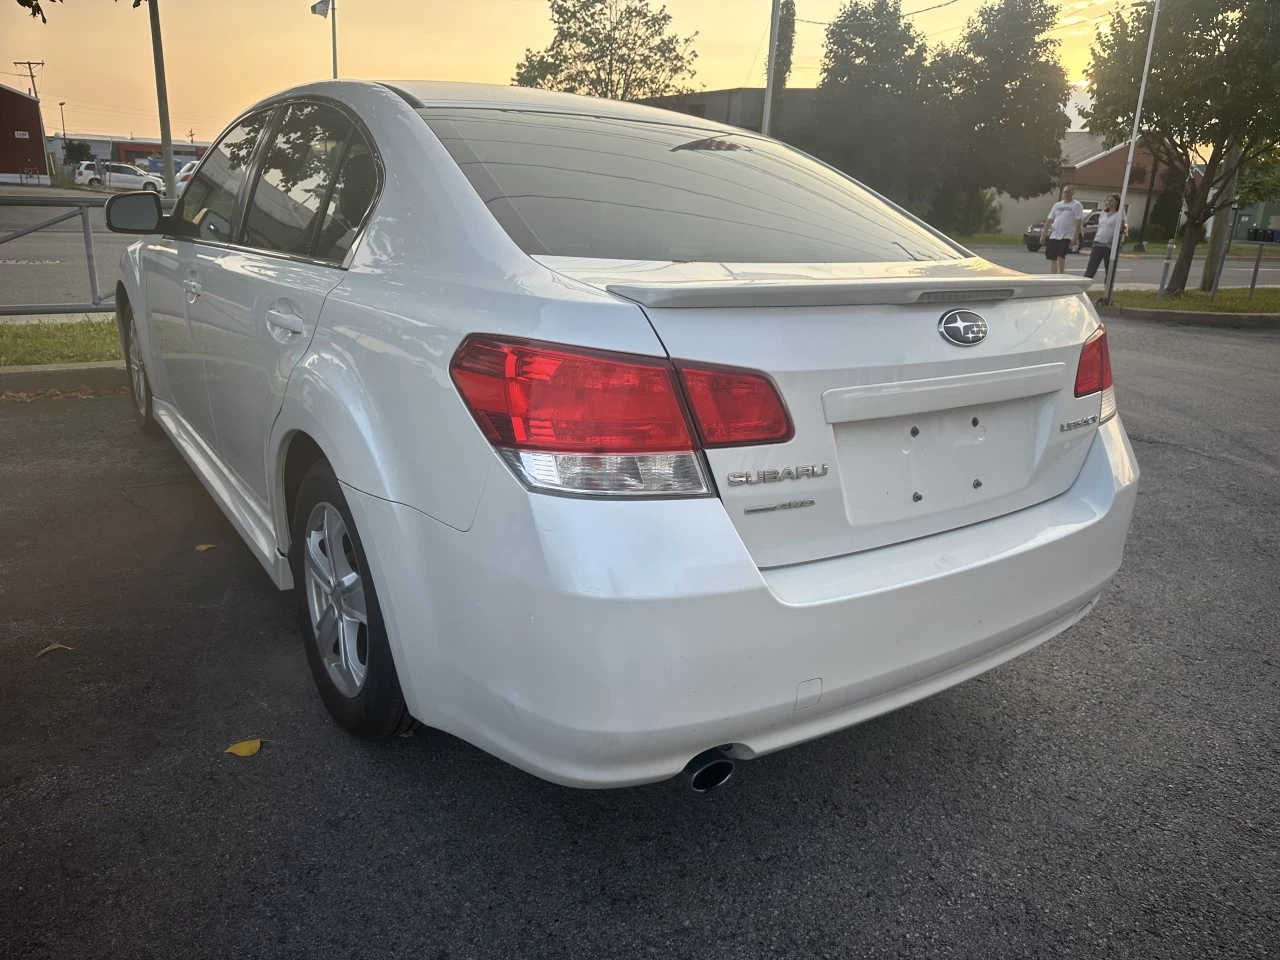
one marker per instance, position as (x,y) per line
(1095,170)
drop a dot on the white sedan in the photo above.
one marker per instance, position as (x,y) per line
(612,440)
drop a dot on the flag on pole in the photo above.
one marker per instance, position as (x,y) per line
(320,8)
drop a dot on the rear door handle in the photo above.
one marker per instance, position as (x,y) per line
(193,288)
(285,319)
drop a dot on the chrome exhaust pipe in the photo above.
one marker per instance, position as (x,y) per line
(708,770)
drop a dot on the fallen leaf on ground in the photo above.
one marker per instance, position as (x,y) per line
(245,748)
(202,547)
(52,646)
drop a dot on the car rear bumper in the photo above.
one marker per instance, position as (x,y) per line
(602,644)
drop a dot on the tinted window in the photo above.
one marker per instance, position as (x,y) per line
(208,203)
(353,192)
(294,178)
(622,189)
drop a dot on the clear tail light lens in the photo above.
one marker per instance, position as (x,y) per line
(1093,375)
(587,422)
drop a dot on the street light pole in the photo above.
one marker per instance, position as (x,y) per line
(333,34)
(1128,166)
(61,104)
(771,80)
(162,97)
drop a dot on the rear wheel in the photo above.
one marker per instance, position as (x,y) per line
(139,385)
(338,612)
(95,182)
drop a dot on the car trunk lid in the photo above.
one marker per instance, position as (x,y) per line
(899,432)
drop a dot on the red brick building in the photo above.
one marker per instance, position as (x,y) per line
(22,157)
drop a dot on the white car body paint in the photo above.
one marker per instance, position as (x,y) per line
(605,642)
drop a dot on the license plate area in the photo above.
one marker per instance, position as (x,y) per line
(931,464)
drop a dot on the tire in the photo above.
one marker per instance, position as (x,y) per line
(151,187)
(139,385)
(1033,247)
(352,667)
(95,182)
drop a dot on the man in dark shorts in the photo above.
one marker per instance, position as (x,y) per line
(1062,229)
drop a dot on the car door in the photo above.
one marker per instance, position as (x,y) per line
(266,292)
(176,266)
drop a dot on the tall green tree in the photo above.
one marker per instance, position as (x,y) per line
(785,48)
(619,49)
(1214,85)
(1001,97)
(871,112)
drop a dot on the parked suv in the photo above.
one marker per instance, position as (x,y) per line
(612,440)
(116,176)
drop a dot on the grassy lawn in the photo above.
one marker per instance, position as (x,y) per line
(1230,300)
(23,344)
(990,239)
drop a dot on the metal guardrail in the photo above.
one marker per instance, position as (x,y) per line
(82,206)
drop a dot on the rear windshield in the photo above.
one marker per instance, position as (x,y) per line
(583,186)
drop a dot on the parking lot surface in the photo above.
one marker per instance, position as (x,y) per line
(1115,793)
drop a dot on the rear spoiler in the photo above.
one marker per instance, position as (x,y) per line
(839,293)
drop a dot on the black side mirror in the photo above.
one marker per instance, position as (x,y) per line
(134,212)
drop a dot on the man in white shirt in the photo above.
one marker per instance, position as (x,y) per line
(1062,230)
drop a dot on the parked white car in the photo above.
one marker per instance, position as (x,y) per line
(184,176)
(117,176)
(612,440)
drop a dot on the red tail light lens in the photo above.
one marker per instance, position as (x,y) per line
(533,396)
(735,407)
(1094,372)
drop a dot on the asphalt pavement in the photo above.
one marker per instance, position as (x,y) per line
(1112,794)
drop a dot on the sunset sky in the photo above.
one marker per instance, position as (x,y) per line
(222,55)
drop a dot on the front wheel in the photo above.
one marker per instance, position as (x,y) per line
(338,613)
(151,187)
(1032,247)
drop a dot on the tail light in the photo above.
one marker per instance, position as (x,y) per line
(574,420)
(1094,373)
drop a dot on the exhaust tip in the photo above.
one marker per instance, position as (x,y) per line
(708,770)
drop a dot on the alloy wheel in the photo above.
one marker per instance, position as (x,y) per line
(335,599)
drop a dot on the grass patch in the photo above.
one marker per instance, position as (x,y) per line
(80,341)
(1230,300)
(990,239)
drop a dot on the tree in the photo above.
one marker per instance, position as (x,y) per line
(1213,88)
(619,49)
(870,114)
(785,48)
(1001,95)
(75,151)
(1260,183)
(35,9)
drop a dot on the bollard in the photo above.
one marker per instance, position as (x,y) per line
(1164,272)
(1257,262)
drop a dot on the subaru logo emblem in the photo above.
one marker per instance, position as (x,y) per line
(964,328)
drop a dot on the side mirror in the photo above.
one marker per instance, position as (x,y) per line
(134,212)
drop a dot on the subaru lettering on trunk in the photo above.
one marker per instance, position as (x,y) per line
(505,386)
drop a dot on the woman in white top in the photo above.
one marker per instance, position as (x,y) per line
(1109,224)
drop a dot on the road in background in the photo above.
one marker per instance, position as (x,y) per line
(1132,269)
(1111,794)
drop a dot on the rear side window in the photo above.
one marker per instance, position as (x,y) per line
(353,193)
(208,203)
(294,178)
(583,186)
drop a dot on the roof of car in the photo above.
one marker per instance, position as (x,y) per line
(439,93)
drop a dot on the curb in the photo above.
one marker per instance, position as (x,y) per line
(104,375)
(1238,321)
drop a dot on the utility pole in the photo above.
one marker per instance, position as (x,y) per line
(1128,166)
(162,97)
(772,76)
(62,111)
(333,34)
(31,72)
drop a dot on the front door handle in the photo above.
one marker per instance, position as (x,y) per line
(285,319)
(193,288)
